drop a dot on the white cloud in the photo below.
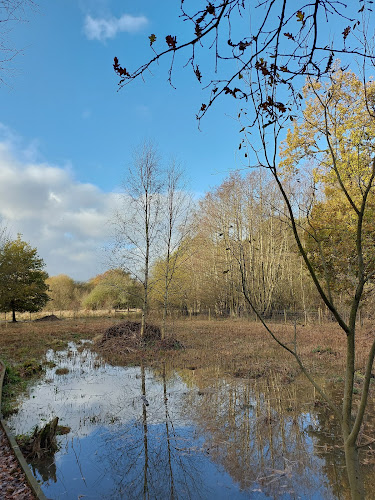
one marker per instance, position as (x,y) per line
(103,28)
(66,220)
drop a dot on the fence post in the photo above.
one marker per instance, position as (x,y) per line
(285,318)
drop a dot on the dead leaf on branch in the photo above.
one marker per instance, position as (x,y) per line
(171,41)
(198,74)
(346,32)
(119,69)
(290,36)
(211,9)
(300,16)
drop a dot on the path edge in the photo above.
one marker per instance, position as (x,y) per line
(33,483)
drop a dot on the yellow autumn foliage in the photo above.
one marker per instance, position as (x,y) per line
(335,142)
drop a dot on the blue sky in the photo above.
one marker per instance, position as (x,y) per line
(61,113)
(65,100)
(67,134)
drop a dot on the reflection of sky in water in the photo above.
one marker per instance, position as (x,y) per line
(92,393)
(191,444)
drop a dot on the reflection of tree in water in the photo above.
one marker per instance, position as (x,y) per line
(152,460)
(258,433)
(328,445)
(266,434)
(46,469)
(326,434)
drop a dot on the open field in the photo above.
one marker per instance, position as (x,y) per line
(25,340)
(242,348)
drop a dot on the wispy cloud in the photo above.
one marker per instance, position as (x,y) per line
(103,28)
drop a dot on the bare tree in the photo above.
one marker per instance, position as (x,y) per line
(12,12)
(244,218)
(175,229)
(277,41)
(137,224)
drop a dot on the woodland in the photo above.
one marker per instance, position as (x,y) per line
(240,230)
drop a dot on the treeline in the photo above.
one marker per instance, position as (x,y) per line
(114,289)
(259,242)
(240,239)
(237,235)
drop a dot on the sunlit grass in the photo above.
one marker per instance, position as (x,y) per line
(241,348)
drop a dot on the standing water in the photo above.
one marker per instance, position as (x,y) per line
(160,433)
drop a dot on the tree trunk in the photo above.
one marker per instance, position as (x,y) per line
(143,324)
(165,305)
(145,300)
(163,324)
(13,313)
(353,470)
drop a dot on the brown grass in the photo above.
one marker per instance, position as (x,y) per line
(245,349)
(240,347)
(21,341)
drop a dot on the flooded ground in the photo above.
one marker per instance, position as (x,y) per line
(164,433)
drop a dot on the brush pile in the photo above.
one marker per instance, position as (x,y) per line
(50,317)
(132,330)
(126,338)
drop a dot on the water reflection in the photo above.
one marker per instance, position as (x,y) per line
(255,431)
(154,460)
(161,433)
